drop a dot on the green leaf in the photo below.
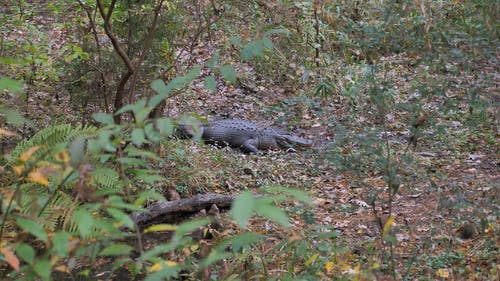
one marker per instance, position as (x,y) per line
(165,126)
(160,249)
(178,82)
(33,228)
(166,273)
(242,208)
(121,217)
(26,252)
(85,222)
(60,243)
(13,116)
(155,101)
(116,250)
(142,115)
(240,241)
(277,31)
(188,227)
(76,150)
(296,193)
(192,74)
(138,136)
(214,257)
(135,108)
(252,49)
(151,133)
(147,175)
(214,61)
(43,269)
(11,85)
(159,86)
(235,41)
(210,83)
(228,73)
(267,43)
(104,118)
(271,212)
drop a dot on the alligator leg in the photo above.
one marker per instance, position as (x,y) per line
(249,146)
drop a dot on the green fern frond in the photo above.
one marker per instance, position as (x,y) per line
(53,136)
(105,178)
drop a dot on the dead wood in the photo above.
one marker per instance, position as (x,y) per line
(178,210)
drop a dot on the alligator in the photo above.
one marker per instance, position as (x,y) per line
(248,136)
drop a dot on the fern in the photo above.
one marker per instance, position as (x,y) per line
(53,136)
(105,178)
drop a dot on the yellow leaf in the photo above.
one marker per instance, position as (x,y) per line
(375,266)
(159,266)
(311,259)
(63,156)
(38,177)
(62,268)
(49,169)
(11,258)
(194,247)
(6,133)
(155,267)
(160,227)
(18,169)
(171,263)
(443,273)
(27,155)
(329,266)
(388,225)
(490,227)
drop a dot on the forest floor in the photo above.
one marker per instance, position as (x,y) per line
(453,189)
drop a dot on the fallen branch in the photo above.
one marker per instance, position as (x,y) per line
(175,211)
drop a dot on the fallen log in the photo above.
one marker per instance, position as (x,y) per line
(178,210)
